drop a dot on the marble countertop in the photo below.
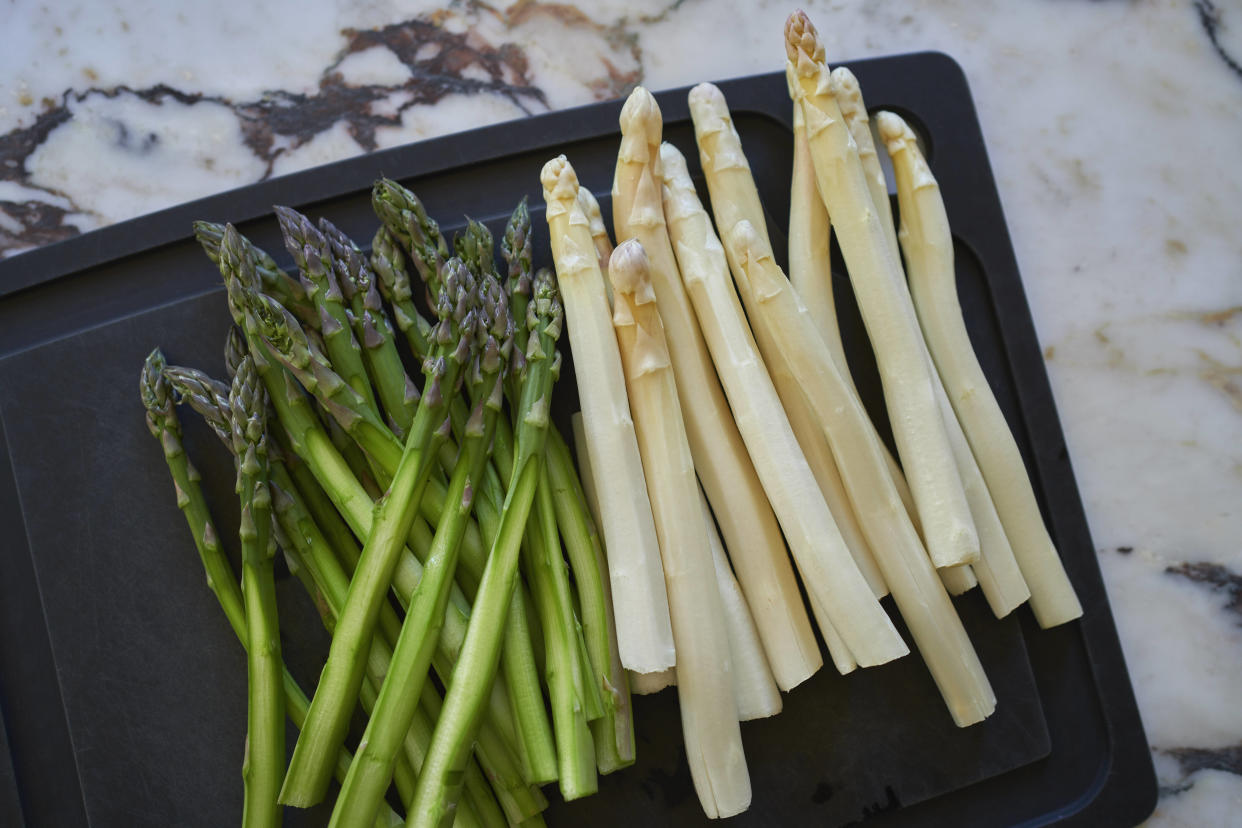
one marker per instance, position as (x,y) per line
(1112,130)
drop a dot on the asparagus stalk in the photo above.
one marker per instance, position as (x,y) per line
(573,691)
(754,689)
(837,589)
(165,427)
(612,733)
(437,793)
(328,719)
(265,730)
(645,636)
(750,526)
(875,273)
(369,776)
(920,597)
(599,233)
(313,256)
(275,281)
(397,393)
(709,715)
(929,252)
(958,580)
(848,92)
(735,197)
(563,669)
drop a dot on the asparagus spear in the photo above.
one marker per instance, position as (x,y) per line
(397,393)
(635,573)
(735,197)
(1003,588)
(165,427)
(905,373)
(437,793)
(265,732)
(389,264)
(929,252)
(919,595)
(306,782)
(275,281)
(599,233)
(313,256)
(709,719)
(754,688)
(398,700)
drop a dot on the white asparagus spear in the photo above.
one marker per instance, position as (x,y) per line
(751,532)
(996,570)
(760,417)
(599,234)
(919,594)
(754,689)
(849,97)
(958,579)
(709,718)
(905,373)
(644,632)
(735,197)
(643,684)
(929,251)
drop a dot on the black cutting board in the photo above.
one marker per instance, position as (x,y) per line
(123,690)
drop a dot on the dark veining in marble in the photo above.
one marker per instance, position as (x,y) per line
(1209,18)
(440,63)
(1192,760)
(1217,577)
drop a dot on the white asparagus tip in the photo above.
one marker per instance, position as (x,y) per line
(630,272)
(559,179)
(802,44)
(642,113)
(673,162)
(848,92)
(894,130)
(708,103)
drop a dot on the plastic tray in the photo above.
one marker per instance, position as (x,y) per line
(122,687)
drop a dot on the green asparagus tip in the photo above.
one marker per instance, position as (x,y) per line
(516,249)
(156,395)
(209,397)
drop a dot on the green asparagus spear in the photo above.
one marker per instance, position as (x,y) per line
(165,427)
(439,783)
(364,786)
(328,719)
(397,393)
(313,256)
(265,735)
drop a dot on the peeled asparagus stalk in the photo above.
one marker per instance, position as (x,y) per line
(849,97)
(754,689)
(734,197)
(704,687)
(918,592)
(929,251)
(644,632)
(643,684)
(875,272)
(996,571)
(599,234)
(752,534)
(786,477)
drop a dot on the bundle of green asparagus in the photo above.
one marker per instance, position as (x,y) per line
(438,530)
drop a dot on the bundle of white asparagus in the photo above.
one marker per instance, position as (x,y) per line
(699,361)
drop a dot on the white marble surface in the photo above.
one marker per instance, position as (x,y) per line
(1112,129)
